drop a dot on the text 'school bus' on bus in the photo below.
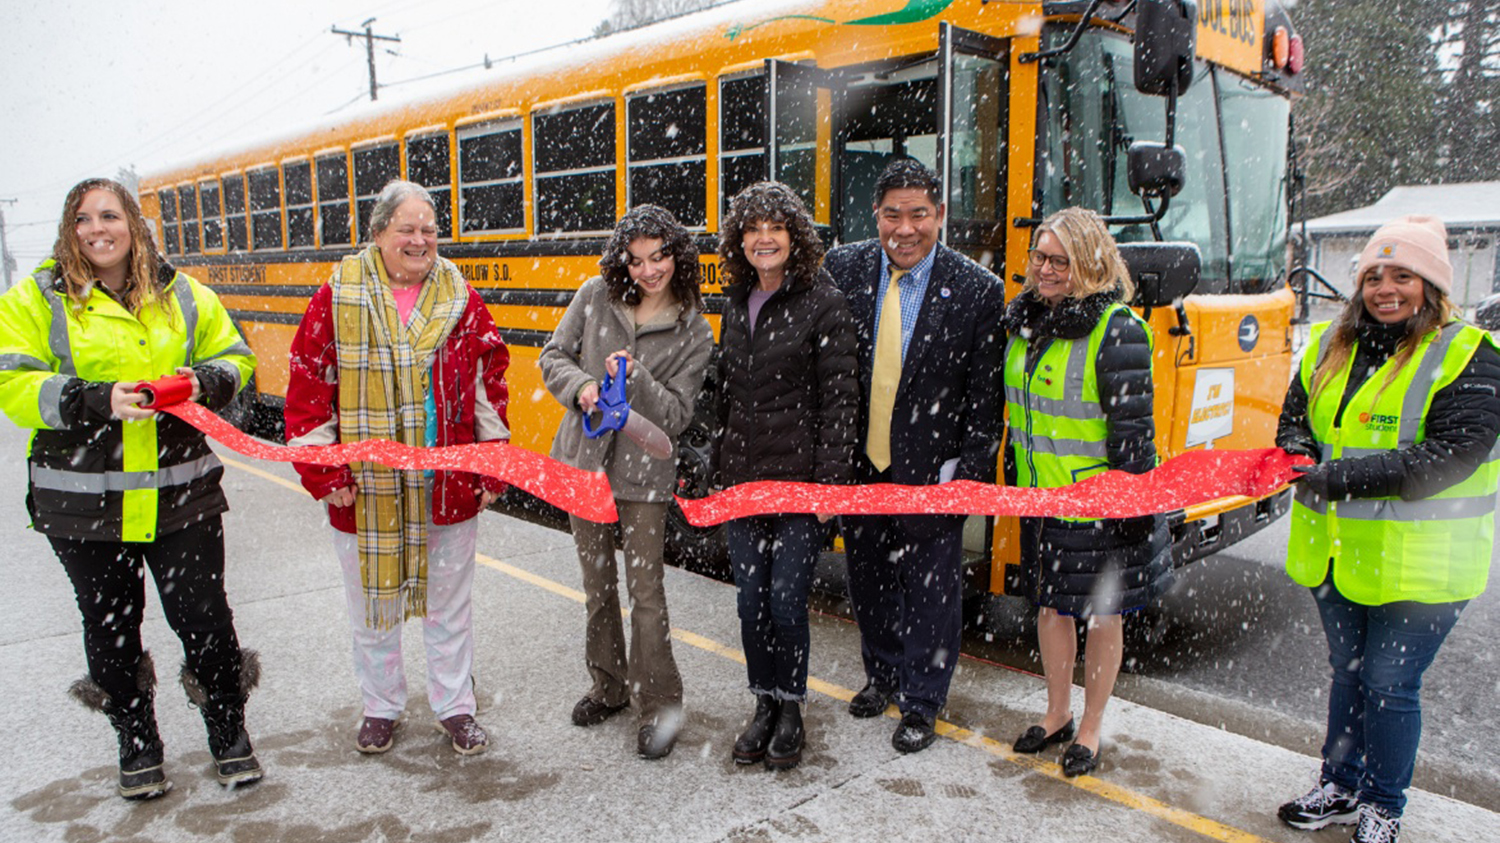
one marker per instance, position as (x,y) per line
(532,164)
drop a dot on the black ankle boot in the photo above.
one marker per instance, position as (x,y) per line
(751,746)
(142,774)
(785,750)
(224,718)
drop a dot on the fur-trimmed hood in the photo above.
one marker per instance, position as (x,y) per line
(1032,318)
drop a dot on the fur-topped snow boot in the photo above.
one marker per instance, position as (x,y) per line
(142,774)
(224,717)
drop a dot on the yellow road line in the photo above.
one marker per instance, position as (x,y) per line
(1123,796)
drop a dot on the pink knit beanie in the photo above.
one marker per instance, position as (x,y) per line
(1417,243)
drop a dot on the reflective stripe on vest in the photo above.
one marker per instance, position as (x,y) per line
(1057,425)
(1383,550)
(94,483)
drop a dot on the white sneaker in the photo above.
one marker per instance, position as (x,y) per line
(1376,826)
(1321,807)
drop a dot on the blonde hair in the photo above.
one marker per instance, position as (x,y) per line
(1093,259)
(1437,310)
(142,264)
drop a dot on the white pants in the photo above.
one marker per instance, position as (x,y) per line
(447,630)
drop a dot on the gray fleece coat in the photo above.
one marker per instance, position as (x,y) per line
(671,356)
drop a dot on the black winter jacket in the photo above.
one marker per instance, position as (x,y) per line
(1063,561)
(1462,424)
(788,393)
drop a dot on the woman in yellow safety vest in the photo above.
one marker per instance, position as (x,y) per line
(1399,403)
(1079,401)
(118,489)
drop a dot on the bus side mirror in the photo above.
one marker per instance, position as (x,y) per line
(1163,272)
(1166,33)
(1154,168)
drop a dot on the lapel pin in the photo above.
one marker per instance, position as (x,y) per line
(945,292)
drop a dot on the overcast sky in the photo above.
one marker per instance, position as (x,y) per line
(90,86)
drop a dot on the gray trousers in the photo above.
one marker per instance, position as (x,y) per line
(649,675)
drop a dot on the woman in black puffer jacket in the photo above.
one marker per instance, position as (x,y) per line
(1079,396)
(786,411)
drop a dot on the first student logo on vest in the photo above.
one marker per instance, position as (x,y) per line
(1374,421)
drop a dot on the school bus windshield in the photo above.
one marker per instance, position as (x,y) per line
(1091,113)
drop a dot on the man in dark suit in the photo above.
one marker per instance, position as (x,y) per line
(928,325)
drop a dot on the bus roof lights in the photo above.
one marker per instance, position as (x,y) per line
(1296,56)
(1281,47)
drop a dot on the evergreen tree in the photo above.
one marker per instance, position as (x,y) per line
(1369,118)
(1471,97)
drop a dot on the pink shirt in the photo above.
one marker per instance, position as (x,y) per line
(406,299)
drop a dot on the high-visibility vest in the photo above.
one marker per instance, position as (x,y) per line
(1384,550)
(1058,429)
(46,342)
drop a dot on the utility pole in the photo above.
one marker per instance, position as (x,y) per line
(7,263)
(370,39)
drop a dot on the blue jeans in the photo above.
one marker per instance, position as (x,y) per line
(773,559)
(1378,655)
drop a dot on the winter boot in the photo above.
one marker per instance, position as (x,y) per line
(751,745)
(141,754)
(224,718)
(785,751)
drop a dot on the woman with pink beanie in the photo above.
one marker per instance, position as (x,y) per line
(1398,401)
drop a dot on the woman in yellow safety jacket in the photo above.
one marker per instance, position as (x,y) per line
(117,488)
(1399,403)
(1079,402)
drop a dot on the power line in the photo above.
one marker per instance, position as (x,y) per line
(370,39)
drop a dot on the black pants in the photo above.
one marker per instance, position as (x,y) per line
(109,582)
(906,589)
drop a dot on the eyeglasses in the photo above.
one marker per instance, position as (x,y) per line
(1037,257)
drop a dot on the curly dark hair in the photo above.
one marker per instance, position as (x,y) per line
(651,222)
(909,173)
(768,201)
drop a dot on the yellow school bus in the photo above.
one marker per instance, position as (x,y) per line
(1023,107)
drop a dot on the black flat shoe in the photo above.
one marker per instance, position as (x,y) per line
(871,701)
(1034,739)
(914,734)
(1079,760)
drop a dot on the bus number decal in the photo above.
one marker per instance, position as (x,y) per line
(1233,18)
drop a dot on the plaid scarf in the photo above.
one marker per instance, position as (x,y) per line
(383,369)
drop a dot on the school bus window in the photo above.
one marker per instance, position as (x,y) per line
(491,195)
(797,137)
(234,212)
(169,222)
(742,135)
(1093,113)
(666,149)
(333,199)
(574,154)
(373,167)
(297,177)
(1254,128)
(265,209)
(187,207)
(213,216)
(427,164)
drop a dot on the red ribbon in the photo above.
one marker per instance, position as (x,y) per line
(1190,478)
(583,493)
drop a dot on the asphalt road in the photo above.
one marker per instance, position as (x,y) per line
(1237,642)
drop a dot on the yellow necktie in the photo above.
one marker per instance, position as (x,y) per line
(885,374)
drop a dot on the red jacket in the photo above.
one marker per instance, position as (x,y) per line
(469,391)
